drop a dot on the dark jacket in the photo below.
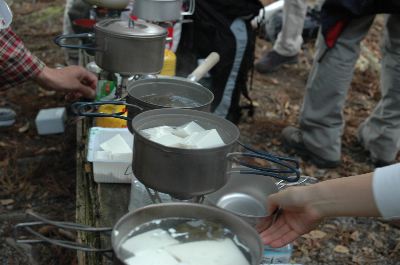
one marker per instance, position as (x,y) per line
(336,14)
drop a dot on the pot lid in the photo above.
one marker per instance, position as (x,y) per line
(130,28)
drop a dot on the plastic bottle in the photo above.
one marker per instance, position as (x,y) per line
(105,90)
(169,67)
(277,255)
(140,197)
(106,86)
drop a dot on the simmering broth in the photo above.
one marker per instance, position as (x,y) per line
(170,100)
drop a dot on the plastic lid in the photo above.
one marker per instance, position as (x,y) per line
(125,28)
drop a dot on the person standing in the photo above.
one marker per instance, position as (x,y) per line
(321,118)
(18,65)
(288,44)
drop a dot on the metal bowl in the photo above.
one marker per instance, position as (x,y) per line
(246,196)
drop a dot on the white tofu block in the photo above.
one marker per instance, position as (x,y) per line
(152,257)
(188,129)
(116,145)
(153,239)
(208,252)
(157,132)
(169,140)
(206,139)
(102,155)
(51,121)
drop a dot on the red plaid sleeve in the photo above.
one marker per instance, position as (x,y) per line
(17,64)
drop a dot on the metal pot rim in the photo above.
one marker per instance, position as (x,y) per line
(158,32)
(183,112)
(177,80)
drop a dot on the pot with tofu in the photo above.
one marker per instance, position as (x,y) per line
(165,234)
(185,233)
(188,153)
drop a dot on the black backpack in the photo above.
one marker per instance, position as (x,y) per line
(224,27)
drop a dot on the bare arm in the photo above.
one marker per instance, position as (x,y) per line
(305,207)
(351,196)
(74,80)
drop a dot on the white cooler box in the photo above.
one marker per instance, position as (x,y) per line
(110,170)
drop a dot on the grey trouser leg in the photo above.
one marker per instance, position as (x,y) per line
(380,133)
(289,39)
(321,119)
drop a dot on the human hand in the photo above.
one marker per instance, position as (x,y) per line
(297,216)
(76,81)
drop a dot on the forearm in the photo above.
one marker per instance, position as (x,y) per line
(350,196)
(17,64)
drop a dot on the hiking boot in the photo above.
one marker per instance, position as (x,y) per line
(377,162)
(381,163)
(7,117)
(272,61)
(293,139)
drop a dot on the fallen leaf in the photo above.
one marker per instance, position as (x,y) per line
(329,226)
(355,236)
(88,168)
(315,234)
(274,81)
(24,128)
(341,249)
(262,162)
(6,202)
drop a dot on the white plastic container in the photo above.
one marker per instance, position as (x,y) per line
(118,170)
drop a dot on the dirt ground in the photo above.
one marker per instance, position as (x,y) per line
(38,172)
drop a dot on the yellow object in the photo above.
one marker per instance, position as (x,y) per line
(169,63)
(112,122)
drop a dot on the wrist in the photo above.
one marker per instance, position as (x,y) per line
(322,201)
(44,78)
(313,197)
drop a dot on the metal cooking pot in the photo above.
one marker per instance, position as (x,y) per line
(124,47)
(185,173)
(126,224)
(161,10)
(112,4)
(168,88)
(246,195)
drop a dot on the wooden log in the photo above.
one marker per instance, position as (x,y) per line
(86,199)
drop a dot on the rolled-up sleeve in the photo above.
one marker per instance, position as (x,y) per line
(386,189)
(17,64)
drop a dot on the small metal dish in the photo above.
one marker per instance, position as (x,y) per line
(245,195)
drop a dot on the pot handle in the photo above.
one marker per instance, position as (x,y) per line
(59,41)
(287,165)
(79,108)
(303,181)
(198,73)
(64,225)
(190,10)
